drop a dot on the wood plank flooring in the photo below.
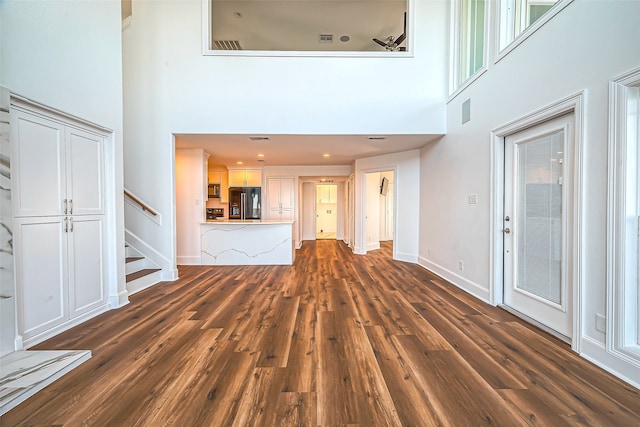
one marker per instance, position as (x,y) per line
(334,340)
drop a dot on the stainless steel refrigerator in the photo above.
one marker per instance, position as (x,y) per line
(244,203)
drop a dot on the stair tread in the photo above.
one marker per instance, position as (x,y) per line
(133,258)
(138,274)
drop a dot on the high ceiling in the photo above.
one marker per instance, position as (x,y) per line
(299,150)
(296,25)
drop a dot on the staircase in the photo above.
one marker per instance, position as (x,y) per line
(141,272)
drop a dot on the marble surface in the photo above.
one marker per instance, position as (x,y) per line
(24,373)
(7,290)
(250,221)
(262,242)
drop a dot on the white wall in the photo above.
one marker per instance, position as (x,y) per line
(170,87)
(67,55)
(406,167)
(191,199)
(581,49)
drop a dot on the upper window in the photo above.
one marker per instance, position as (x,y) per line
(468,40)
(521,17)
(278,26)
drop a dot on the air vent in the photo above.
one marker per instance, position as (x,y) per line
(259,138)
(260,160)
(326,38)
(377,138)
(227,44)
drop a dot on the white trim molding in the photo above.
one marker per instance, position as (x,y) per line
(623,301)
(571,104)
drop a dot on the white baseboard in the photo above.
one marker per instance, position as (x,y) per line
(43,336)
(596,353)
(401,256)
(463,283)
(120,300)
(373,246)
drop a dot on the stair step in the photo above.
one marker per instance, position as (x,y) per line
(138,274)
(133,258)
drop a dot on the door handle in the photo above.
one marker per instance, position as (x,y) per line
(506,230)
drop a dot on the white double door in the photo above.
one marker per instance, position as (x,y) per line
(537,204)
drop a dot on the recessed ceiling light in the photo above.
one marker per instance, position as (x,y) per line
(260,155)
(237,15)
(345,38)
(239,163)
(325,155)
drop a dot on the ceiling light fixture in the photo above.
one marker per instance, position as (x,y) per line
(325,155)
(260,155)
(238,163)
(345,39)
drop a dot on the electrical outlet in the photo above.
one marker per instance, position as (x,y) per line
(601,323)
(460,265)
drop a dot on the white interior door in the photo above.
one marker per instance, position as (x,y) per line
(537,191)
(308,211)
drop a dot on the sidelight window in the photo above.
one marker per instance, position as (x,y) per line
(468,38)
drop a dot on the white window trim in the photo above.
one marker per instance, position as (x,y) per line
(506,42)
(454,46)
(617,256)
(206,36)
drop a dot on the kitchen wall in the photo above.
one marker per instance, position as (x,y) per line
(170,87)
(581,49)
(191,199)
(67,55)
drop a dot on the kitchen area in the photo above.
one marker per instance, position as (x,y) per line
(220,216)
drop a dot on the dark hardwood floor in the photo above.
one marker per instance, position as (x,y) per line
(336,339)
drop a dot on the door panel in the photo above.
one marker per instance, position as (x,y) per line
(39,181)
(535,223)
(86,172)
(86,265)
(40,247)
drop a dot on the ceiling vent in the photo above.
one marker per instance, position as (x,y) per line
(326,38)
(259,138)
(377,138)
(227,44)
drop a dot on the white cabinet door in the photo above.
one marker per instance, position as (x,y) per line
(39,174)
(86,264)
(236,178)
(253,178)
(273,193)
(41,274)
(85,172)
(287,193)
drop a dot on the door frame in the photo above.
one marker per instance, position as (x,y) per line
(572,104)
(362,196)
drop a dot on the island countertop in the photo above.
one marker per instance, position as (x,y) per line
(248,242)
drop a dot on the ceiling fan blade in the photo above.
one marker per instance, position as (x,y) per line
(400,39)
(381,43)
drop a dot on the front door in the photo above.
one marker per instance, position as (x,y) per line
(535,224)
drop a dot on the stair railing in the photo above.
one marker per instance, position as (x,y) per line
(140,203)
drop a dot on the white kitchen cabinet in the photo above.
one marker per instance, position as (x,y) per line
(59,217)
(326,194)
(245,178)
(60,169)
(281,198)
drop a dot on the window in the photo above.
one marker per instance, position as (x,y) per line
(468,41)
(624,209)
(520,18)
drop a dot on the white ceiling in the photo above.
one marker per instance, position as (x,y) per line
(298,150)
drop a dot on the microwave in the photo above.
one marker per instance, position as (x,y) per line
(214,191)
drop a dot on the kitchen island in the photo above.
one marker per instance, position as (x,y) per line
(248,242)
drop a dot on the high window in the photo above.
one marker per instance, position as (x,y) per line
(468,41)
(520,18)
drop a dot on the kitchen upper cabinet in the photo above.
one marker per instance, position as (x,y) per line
(60,169)
(281,195)
(222,178)
(326,194)
(245,178)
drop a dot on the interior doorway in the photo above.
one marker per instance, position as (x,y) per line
(379,209)
(326,211)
